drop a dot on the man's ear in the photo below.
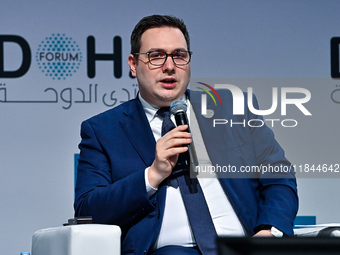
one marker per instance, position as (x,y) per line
(132,63)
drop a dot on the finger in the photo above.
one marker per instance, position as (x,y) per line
(178,132)
(173,142)
(171,148)
(180,128)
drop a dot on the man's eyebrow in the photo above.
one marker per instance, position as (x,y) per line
(160,49)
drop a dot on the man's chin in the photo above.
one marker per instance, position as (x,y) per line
(172,97)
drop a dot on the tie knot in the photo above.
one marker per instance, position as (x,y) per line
(167,123)
(163,112)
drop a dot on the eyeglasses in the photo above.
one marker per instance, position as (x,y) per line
(158,58)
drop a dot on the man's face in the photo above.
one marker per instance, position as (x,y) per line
(161,85)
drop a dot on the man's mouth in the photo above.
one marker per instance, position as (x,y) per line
(168,81)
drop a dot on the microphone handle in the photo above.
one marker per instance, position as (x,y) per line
(181,119)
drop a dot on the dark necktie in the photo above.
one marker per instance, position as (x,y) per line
(193,197)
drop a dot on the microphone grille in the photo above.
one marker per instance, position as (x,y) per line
(178,106)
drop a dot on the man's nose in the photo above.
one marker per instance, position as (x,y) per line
(169,65)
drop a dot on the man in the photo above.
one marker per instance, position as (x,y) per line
(123,174)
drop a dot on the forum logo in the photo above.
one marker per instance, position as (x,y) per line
(58,56)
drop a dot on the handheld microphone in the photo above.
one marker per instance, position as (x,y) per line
(178,108)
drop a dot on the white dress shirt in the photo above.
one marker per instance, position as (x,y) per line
(175,229)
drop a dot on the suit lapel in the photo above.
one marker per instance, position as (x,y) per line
(218,140)
(137,128)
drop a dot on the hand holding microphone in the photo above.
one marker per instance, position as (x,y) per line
(173,143)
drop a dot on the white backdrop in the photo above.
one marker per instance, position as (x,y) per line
(40,116)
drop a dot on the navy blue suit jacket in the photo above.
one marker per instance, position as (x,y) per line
(118,145)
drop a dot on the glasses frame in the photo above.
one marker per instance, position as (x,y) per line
(166,56)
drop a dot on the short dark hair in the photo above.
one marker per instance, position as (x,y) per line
(156,21)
